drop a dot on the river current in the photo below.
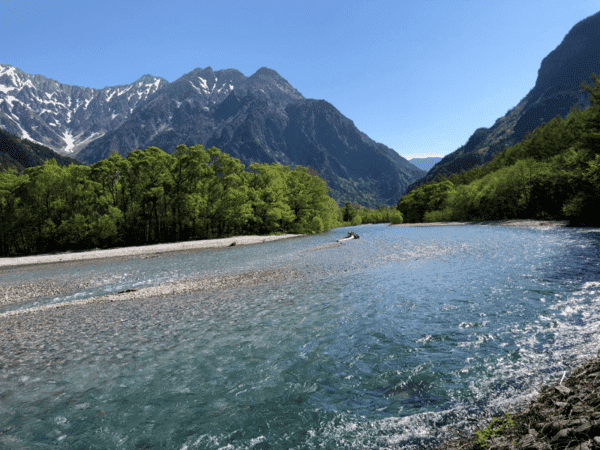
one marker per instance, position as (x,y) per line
(400,339)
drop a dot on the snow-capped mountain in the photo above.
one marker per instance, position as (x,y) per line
(260,118)
(62,117)
(195,108)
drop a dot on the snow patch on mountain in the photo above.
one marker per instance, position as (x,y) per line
(119,93)
(70,140)
(10,100)
(203,84)
(197,88)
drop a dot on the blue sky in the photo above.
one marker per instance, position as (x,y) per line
(418,76)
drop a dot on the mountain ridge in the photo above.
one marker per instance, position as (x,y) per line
(556,92)
(425,163)
(65,117)
(261,118)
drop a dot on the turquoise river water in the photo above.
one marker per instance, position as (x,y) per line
(402,338)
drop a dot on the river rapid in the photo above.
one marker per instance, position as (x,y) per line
(400,339)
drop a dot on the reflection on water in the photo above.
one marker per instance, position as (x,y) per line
(395,340)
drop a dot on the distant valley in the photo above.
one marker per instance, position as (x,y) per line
(425,163)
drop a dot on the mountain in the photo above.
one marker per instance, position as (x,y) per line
(261,118)
(556,91)
(425,163)
(20,153)
(62,117)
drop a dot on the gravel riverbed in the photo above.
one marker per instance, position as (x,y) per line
(12,293)
(46,335)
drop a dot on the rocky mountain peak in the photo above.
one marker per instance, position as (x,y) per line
(573,60)
(260,118)
(268,82)
(151,79)
(9,75)
(63,117)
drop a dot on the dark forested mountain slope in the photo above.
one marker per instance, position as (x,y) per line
(556,91)
(20,153)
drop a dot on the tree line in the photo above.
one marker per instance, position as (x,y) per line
(152,196)
(554,173)
(354,214)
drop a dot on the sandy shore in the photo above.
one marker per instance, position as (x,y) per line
(142,250)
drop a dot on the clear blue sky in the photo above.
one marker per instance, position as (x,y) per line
(419,76)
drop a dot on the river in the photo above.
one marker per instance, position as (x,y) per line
(400,339)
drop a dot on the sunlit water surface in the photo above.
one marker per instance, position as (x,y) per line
(402,338)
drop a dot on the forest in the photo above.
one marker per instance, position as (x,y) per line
(553,174)
(152,197)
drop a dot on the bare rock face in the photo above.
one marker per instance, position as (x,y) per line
(556,92)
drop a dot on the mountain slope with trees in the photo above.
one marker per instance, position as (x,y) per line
(552,174)
(18,154)
(556,92)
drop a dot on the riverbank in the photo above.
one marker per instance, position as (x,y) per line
(505,223)
(146,250)
(565,415)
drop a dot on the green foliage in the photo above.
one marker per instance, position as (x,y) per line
(357,215)
(348,212)
(151,197)
(553,174)
(495,429)
(429,197)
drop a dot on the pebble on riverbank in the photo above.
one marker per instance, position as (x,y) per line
(563,416)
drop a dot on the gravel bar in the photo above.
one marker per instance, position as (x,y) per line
(168,289)
(143,250)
